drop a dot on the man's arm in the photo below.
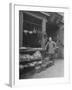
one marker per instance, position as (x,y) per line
(54,44)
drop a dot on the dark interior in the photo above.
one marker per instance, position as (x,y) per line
(31,40)
(51,30)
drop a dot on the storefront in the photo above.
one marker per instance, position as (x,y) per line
(34,25)
(32,29)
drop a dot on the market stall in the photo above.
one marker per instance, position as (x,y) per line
(32,60)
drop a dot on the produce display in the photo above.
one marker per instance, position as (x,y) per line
(27,57)
(35,62)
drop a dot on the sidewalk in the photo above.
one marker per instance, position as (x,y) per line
(56,70)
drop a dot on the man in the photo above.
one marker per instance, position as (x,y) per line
(50,47)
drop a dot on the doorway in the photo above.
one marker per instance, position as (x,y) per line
(51,30)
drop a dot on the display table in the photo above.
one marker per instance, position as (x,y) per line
(25,50)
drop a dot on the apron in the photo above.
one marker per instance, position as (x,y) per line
(51,47)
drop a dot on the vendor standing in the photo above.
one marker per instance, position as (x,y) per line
(50,47)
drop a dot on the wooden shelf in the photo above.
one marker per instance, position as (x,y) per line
(32,23)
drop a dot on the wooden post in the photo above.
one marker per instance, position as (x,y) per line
(20,29)
(43,32)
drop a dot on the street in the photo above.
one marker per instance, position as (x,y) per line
(56,70)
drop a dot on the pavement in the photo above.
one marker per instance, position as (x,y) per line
(56,70)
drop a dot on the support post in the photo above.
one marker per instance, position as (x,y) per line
(43,32)
(20,29)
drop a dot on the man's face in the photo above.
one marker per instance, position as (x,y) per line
(50,39)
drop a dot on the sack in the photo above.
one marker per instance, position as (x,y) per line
(37,54)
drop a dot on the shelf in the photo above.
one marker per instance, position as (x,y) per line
(32,23)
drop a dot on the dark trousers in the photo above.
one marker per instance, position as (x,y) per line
(51,56)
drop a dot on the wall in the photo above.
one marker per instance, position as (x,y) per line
(60,37)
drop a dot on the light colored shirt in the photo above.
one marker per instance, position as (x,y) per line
(51,47)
